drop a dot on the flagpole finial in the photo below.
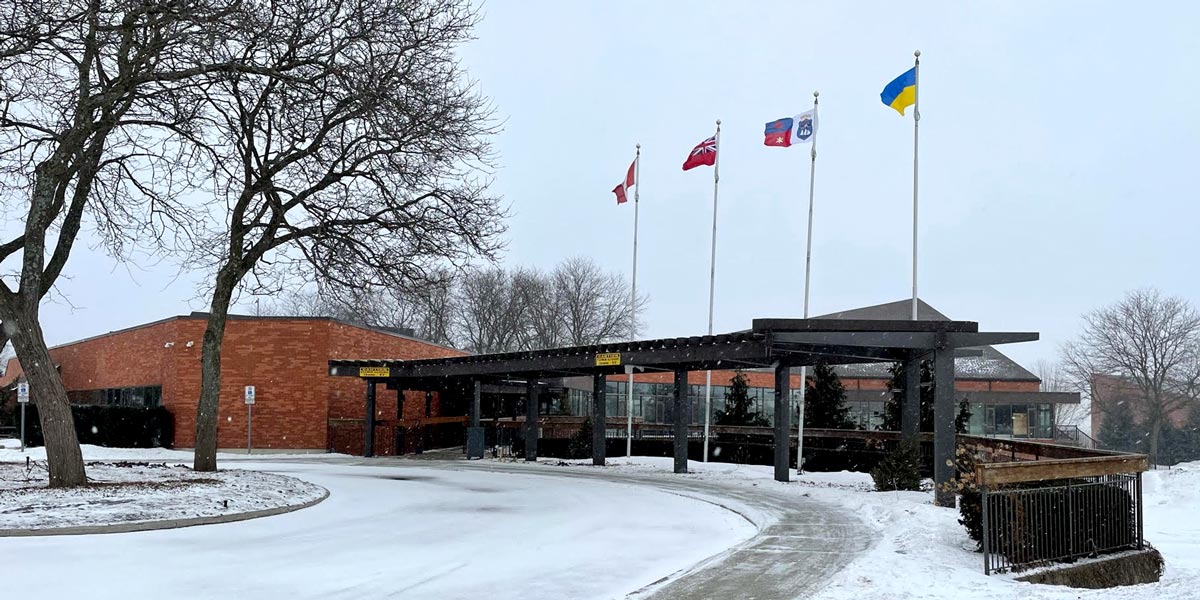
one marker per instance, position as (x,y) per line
(816,93)
(639,146)
(718,122)
(917,53)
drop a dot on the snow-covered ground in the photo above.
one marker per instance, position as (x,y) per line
(127,493)
(10,451)
(404,532)
(922,551)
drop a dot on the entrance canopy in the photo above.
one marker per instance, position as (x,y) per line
(770,342)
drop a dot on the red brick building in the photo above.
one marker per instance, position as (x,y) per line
(299,407)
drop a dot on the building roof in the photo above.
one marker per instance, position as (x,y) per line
(985,363)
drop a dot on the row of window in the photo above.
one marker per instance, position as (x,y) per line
(144,396)
(654,403)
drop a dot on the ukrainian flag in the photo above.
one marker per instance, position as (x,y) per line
(901,93)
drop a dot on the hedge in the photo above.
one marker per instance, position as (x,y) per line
(112,426)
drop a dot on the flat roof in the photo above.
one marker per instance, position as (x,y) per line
(794,342)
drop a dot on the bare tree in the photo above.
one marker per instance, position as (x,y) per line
(1146,339)
(354,159)
(596,306)
(491,315)
(96,99)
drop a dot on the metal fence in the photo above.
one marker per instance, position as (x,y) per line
(1029,525)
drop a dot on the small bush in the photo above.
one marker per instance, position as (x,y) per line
(970,499)
(900,470)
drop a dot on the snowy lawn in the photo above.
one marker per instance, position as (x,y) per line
(10,451)
(404,532)
(922,551)
(126,493)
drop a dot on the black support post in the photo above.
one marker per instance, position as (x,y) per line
(531,419)
(910,408)
(369,421)
(683,414)
(475,432)
(599,418)
(943,426)
(783,446)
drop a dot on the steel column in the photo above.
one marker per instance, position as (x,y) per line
(475,440)
(531,419)
(783,375)
(369,421)
(943,425)
(599,418)
(910,407)
(683,414)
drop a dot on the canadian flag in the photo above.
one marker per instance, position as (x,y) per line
(622,188)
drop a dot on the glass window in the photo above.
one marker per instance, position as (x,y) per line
(1003,422)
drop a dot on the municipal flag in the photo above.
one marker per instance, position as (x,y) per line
(705,153)
(622,188)
(795,130)
(901,93)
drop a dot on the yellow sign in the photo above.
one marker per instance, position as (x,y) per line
(374,371)
(608,359)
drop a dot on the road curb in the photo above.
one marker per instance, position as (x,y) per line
(165,524)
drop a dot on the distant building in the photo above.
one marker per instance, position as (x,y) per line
(1005,398)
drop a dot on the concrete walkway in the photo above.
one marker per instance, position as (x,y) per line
(800,544)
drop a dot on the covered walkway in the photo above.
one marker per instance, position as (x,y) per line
(778,344)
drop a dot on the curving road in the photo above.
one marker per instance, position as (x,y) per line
(801,542)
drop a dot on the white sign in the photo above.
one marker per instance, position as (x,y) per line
(23,393)
(249,394)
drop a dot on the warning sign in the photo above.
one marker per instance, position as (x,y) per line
(608,359)
(374,371)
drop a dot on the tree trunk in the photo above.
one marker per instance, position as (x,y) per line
(47,390)
(207,410)
(1155,436)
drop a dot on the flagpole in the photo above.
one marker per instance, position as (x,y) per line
(712,278)
(812,179)
(916,128)
(637,186)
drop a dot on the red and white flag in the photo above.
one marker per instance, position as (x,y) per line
(622,189)
(705,153)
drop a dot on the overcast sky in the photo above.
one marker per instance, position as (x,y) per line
(1059,152)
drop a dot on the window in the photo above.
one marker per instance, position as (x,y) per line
(141,396)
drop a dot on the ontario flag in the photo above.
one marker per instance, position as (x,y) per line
(622,189)
(705,153)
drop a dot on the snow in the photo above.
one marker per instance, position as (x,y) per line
(127,493)
(922,551)
(10,451)
(406,532)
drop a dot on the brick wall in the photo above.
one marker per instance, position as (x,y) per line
(285,359)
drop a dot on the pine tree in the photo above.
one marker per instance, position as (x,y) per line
(1119,431)
(737,412)
(891,408)
(580,445)
(737,405)
(963,421)
(825,401)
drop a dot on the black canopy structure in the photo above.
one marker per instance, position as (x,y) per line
(778,344)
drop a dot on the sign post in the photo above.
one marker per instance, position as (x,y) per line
(23,399)
(249,415)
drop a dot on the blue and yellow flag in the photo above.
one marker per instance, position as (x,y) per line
(901,93)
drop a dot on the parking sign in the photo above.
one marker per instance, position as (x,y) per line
(249,394)
(23,392)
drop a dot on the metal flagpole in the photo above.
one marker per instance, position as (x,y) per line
(637,186)
(712,278)
(916,124)
(812,179)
